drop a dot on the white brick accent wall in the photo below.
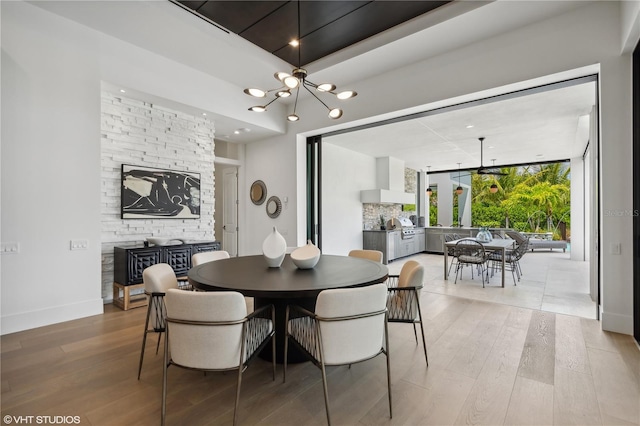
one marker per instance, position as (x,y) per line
(144,134)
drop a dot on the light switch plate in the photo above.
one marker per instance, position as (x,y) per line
(10,248)
(78,244)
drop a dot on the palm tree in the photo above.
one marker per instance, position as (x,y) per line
(543,196)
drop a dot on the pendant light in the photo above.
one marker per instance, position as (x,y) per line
(459,189)
(494,188)
(295,80)
(429,190)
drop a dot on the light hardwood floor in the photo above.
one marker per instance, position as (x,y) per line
(489,363)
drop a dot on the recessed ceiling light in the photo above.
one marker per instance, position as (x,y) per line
(236,132)
(204,114)
(294,43)
(123,91)
(490,147)
(470,126)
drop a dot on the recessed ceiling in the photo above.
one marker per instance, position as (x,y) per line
(325,26)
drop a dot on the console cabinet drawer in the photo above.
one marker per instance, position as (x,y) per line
(130,261)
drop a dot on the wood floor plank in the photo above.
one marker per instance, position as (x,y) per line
(574,399)
(616,387)
(471,357)
(488,401)
(531,403)
(538,356)
(571,351)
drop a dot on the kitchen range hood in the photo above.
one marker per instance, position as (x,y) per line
(389,184)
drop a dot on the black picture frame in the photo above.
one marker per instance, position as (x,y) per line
(155,193)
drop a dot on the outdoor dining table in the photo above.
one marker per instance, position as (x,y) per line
(251,276)
(497,244)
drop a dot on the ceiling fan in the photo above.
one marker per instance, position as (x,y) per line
(482,170)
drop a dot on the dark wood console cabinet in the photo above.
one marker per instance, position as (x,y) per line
(130,260)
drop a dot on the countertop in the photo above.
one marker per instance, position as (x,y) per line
(389,230)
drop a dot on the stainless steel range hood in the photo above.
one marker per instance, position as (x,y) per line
(389,184)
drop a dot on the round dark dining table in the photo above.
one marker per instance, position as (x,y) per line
(285,285)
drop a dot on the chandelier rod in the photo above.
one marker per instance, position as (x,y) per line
(299,41)
(314,95)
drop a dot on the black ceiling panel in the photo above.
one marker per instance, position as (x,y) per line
(325,26)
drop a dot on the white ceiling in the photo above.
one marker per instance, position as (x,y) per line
(545,126)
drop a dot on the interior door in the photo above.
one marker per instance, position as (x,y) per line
(230,211)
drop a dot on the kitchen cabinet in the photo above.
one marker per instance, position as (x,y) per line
(392,245)
(420,240)
(384,241)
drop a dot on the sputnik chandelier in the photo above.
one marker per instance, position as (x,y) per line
(296,80)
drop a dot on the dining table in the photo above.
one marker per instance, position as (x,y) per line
(285,285)
(500,245)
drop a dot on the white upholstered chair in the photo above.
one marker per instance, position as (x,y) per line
(208,256)
(374,255)
(349,325)
(157,280)
(211,331)
(403,303)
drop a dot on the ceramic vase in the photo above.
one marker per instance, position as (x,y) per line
(484,236)
(274,247)
(307,256)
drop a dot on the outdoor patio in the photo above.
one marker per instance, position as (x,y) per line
(550,282)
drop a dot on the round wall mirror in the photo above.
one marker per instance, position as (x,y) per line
(258,192)
(274,207)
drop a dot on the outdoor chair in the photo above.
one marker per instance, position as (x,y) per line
(470,252)
(349,326)
(211,331)
(511,259)
(403,302)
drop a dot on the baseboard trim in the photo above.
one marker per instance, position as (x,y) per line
(34,319)
(617,323)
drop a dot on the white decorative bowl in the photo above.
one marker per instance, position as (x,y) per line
(158,241)
(306,257)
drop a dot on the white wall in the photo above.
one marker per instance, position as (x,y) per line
(48,196)
(581,38)
(344,174)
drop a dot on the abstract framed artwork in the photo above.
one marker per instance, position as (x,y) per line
(152,193)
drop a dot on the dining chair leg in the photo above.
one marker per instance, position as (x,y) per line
(165,367)
(424,342)
(415,333)
(326,391)
(144,338)
(386,349)
(273,354)
(235,407)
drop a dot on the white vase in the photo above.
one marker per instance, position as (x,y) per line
(274,247)
(307,256)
